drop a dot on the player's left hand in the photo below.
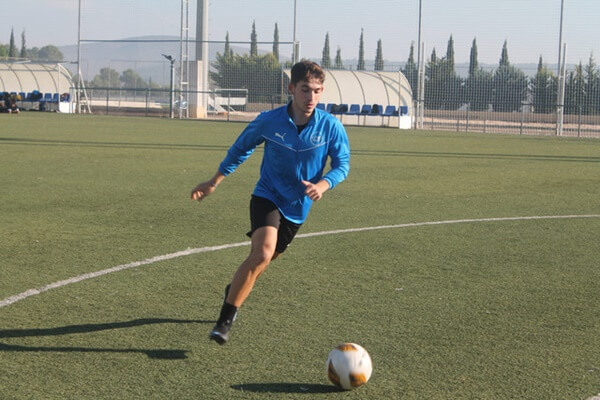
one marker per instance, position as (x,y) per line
(315,191)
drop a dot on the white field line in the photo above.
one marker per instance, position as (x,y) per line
(32,292)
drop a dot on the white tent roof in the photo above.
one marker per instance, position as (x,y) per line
(366,87)
(27,77)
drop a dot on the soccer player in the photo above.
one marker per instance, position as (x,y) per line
(298,140)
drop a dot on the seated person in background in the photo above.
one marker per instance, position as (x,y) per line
(12,105)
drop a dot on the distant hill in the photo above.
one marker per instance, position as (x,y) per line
(145,58)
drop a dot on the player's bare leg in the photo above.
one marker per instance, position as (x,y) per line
(262,251)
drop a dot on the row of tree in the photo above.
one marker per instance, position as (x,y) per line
(503,89)
(506,88)
(46,53)
(261,73)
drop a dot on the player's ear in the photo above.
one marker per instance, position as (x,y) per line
(291,87)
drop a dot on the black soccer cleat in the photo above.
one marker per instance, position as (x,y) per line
(220,333)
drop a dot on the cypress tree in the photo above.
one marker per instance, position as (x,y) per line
(276,42)
(253,41)
(23,47)
(379,57)
(12,49)
(473,63)
(326,59)
(361,52)
(339,64)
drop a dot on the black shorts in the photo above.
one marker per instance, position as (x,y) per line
(264,212)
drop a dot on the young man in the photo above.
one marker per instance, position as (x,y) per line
(298,140)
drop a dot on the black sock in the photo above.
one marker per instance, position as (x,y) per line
(228,313)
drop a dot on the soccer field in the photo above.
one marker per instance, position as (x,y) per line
(466,264)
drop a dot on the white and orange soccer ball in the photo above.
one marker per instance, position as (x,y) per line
(349,366)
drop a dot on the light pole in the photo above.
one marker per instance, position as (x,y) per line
(171,94)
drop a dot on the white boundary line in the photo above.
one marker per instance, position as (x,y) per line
(32,292)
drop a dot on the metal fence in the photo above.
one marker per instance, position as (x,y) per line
(463,88)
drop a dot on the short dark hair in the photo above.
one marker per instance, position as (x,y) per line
(305,70)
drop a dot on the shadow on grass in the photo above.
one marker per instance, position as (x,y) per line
(162,354)
(286,387)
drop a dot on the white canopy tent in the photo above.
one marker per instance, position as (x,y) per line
(25,77)
(51,80)
(368,87)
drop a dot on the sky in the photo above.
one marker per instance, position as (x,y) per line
(530,27)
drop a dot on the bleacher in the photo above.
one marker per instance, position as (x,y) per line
(36,100)
(366,111)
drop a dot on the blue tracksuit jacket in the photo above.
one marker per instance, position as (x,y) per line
(290,157)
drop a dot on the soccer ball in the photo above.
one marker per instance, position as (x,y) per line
(348,366)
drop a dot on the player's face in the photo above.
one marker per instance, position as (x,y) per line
(306,95)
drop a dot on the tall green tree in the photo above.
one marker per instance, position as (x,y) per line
(592,87)
(504,55)
(510,85)
(361,52)
(479,90)
(473,61)
(379,57)
(131,79)
(478,85)
(443,86)
(410,70)
(543,89)
(23,53)
(326,58)
(261,75)
(107,77)
(276,42)
(227,52)
(12,48)
(50,53)
(433,82)
(339,64)
(450,55)
(253,41)
(3,50)
(575,91)
(452,84)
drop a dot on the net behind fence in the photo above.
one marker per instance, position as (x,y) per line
(486,67)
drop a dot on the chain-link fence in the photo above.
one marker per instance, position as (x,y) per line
(486,80)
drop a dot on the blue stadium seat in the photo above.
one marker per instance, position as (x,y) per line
(389,111)
(321,106)
(339,108)
(329,107)
(403,110)
(377,109)
(354,110)
(365,109)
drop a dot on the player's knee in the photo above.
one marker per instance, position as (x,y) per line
(261,257)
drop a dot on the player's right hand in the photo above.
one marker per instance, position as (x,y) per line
(202,190)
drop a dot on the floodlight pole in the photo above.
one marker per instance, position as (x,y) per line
(171,93)
(78,86)
(560,33)
(561,72)
(295,45)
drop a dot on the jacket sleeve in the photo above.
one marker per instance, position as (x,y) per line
(243,147)
(339,152)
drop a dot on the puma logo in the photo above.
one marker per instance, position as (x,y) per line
(280,135)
